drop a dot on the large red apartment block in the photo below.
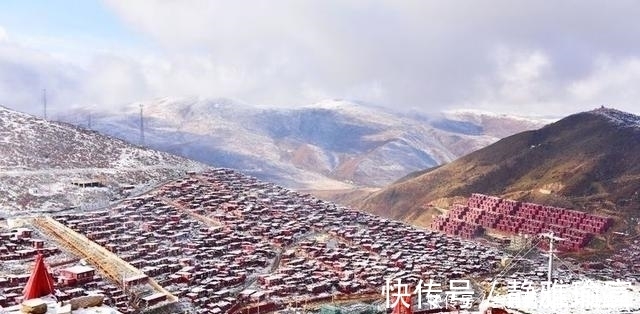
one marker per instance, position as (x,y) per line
(484,211)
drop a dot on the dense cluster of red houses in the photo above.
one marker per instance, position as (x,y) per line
(626,262)
(222,240)
(18,244)
(483,211)
(19,248)
(192,260)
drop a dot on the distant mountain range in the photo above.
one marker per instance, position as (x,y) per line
(588,161)
(329,145)
(43,165)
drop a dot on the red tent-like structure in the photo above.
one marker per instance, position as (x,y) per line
(401,308)
(40,283)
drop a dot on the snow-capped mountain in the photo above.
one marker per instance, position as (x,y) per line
(333,144)
(42,164)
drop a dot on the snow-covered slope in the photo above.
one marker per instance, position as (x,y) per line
(329,145)
(490,123)
(620,118)
(40,160)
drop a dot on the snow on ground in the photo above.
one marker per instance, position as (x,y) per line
(364,114)
(40,160)
(477,115)
(54,307)
(621,118)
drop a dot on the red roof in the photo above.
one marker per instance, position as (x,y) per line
(40,283)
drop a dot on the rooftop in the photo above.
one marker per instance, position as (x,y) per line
(79,269)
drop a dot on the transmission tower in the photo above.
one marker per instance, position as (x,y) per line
(44,102)
(141,126)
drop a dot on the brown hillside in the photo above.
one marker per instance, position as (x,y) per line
(590,158)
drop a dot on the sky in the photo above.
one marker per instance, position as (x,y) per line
(521,57)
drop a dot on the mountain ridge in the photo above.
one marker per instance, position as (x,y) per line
(582,160)
(334,144)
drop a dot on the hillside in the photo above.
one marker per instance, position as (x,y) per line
(589,160)
(331,145)
(41,160)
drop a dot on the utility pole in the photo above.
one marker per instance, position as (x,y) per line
(44,102)
(551,239)
(141,126)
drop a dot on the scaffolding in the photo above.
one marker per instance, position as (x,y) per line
(357,308)
(519,242)
(346,303)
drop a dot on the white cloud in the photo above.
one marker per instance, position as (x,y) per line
(3,34)
(522,76)
(612,82)
(418,54)
(408,53)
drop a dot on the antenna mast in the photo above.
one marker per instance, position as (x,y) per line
(141,126)
(44,102)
